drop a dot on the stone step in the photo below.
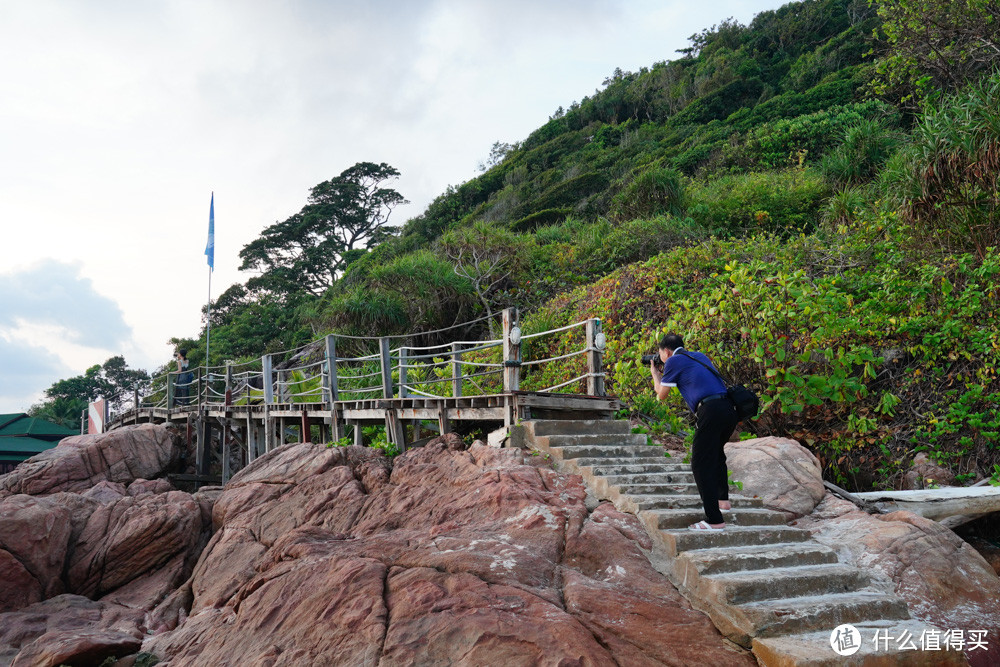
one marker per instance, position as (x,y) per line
(692,499)
(539,427)
(784,582)
(667,491)
(630,466)
(682,518)
(815,649)
(613,439)
(738,559)
(618,451)
(664,484)
(679,541)
(659,477)
(786,616)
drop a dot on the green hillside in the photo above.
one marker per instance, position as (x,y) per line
(812,198)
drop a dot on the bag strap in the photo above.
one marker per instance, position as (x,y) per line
(725,382)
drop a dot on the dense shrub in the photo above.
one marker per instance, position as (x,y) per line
(541,218)
(738,204)
(865,148)
(652,192)
(946,181)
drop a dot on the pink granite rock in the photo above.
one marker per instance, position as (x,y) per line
(332,556)
(925,472)
(68,629)
(786,475)
(36,533)
(135,537)
(79,463)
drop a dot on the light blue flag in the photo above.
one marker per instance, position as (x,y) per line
(210,247)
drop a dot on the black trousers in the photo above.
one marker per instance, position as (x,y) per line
(716,421)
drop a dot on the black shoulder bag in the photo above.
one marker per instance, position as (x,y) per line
(746,402)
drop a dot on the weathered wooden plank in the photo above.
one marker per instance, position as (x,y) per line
(937,504)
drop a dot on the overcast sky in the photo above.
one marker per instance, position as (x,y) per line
(119,118)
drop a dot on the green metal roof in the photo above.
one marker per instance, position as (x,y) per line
(20,448)
(6,419)
(22,424)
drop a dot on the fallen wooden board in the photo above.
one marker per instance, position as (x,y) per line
(938,504)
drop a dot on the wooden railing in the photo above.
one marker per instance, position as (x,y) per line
(316,374)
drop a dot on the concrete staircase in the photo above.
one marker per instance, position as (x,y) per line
(766,585)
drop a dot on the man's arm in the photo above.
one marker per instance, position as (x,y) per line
(662,391)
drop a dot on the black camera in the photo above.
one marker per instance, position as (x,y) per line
(655,358)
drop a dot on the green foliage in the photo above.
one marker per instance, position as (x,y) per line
(114,381)
(64,411)
(784,201)
(541,218)
(650,193)
(934,46)
(946,181)
(866,147)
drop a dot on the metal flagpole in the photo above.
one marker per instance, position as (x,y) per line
(208,335)
(210,253)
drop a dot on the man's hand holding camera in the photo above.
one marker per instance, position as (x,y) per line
(655,368)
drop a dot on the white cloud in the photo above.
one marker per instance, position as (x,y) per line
(53,324)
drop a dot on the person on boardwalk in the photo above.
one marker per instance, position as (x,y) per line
(706,396)
(184,378)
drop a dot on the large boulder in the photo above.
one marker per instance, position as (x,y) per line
(135,537)
(786,475)
(80,462)
(924,473)
(69,629)
(943,580)
(34,534)
(335,556)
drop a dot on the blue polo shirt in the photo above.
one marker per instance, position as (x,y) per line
(693,380)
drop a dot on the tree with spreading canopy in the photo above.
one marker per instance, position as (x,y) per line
(113,380)
(343,217)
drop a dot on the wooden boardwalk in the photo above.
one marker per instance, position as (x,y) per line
(239,412)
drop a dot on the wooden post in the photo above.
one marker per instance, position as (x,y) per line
(227,470)
(304,434)
(135,399)
(266,380)
(204,451)
(387,390)
(403,391)
(251,439)
(268,430)
(386,361)
(394,430)
(456,369)
(200,383)
(595,382)
(511,353)
(229,384)
(283,391)
(359,437)
(331,373)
